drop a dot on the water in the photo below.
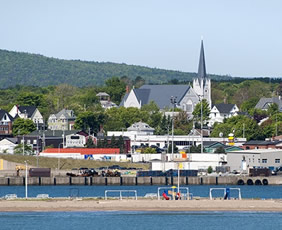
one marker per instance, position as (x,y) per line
(261,192)
(140,220)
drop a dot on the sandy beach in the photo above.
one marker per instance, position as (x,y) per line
(140,205)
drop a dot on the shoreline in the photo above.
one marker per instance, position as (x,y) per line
(139,205)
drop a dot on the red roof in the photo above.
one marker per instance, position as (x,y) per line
(84,151)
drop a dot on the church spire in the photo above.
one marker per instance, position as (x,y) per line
(202,64)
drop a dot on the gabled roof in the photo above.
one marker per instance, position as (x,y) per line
(224,108)
(3,112)
(142,95)
(161,94)
(140,126)
(13,140)
(29,110)
(264,103)
(68,114)
(258,142)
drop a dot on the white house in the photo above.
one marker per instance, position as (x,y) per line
(27,112)
(221,111)
(8,144)
(184,97)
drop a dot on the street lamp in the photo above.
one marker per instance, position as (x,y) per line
(59,156)
(173,101)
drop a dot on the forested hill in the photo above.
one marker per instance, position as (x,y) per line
(17,68)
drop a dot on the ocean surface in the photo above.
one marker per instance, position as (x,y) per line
(140,220)
(256,192)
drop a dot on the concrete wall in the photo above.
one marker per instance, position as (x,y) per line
(88,181)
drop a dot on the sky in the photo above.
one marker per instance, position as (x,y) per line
(242,38)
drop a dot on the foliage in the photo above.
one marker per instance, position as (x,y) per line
(210,170)
(249,104)
(272,109)
(23,126)
(33,69)
(27,149)
(220,149)
(239,126)
(194,149)
(115,88)
(175,149)
(90,120)
(149,150)
(202,109)
(89,143)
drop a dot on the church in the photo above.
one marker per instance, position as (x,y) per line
(186,97)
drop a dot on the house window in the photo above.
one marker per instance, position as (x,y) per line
(214,114)
(258,160)
(277,161)
(264,161)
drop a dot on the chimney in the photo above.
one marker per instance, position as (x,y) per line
(127,89)
(224,100)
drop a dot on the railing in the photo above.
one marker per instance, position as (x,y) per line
(224,189)
(120,193)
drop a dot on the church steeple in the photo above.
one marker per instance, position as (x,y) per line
(202,64)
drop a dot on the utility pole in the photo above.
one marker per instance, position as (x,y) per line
(173,101)
(202,147)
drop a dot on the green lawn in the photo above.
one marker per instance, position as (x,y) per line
(66,164)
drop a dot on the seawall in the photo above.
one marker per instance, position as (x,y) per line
(88,181)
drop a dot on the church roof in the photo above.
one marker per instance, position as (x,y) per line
(161,94)
(202,75)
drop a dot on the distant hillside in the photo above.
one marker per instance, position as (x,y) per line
(17,68)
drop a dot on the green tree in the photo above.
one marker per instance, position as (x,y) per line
(149,150)
(89,143)
(249,104)
(220,149)
(205,111)
(115,88)
(27,150)
(92,120)
(114,142)
(272,109)
(121,144)
(210,170)
(23,126)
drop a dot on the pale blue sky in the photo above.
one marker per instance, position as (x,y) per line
(241,37)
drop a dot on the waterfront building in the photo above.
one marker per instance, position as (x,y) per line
(242,161)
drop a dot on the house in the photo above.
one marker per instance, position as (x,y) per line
(221,111)
(40,139)
(184,97)
(105,101)
(63,120)
(6,121)
(211,147)
(27,112)
(264,102)
(257,144)
(8,144)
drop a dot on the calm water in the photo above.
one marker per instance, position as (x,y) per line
(140,220)
(262,192)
